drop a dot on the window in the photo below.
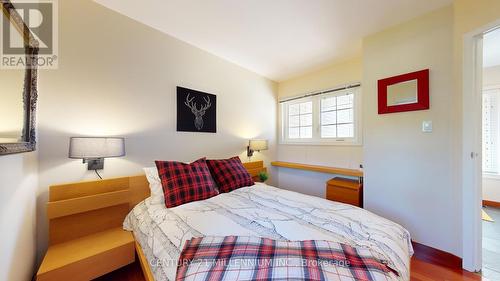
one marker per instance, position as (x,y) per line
(326,118)
(300,120)
(491,99)
(337,116)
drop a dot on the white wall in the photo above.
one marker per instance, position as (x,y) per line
(491,185)
(337,156)
(18,186)
(119,77)
(491,189)
(410,175)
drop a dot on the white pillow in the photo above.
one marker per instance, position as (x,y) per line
(154,185)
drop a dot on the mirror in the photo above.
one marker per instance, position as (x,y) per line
(11,105)
(402,93)
(405,92)
(18,88)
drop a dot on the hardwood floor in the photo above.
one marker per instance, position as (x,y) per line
(420,271)
(425,271)
(131,272)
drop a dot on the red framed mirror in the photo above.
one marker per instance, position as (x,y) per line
(406,92)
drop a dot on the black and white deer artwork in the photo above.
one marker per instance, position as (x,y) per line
(198,113)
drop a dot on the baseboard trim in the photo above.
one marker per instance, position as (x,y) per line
(491,203)
(435,256)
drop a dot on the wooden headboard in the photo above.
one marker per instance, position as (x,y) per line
(79,209)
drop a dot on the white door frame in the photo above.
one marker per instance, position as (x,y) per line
(472,147)
(471,154)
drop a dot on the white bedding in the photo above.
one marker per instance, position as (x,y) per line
(263,211)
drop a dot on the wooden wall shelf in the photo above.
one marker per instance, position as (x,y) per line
(320,169)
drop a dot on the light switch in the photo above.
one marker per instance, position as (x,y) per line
(427,126)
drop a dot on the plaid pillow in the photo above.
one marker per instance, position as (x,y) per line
(183,183)
(229,174)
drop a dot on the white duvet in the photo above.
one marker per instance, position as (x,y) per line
(264,211)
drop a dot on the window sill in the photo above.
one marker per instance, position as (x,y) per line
(323,143)
(491,176)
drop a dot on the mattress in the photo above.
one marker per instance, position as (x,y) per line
(264,211)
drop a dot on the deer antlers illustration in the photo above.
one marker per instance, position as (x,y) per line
(198,113)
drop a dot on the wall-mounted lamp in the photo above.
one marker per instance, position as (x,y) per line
(256,145)
(93,150)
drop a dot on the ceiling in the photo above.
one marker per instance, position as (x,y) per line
(491,48)
(278,39)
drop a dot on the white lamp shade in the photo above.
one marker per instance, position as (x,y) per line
(96,147)
(258,145)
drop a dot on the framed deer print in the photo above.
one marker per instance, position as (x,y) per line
(196,111)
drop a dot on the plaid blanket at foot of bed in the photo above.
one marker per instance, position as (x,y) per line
(253,258)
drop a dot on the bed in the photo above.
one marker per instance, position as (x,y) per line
(263,211)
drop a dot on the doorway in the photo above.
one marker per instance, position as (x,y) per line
(472,144)
(491,155)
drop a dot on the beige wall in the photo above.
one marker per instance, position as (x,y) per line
(338,74)
(18,185)
(408,173)
(470,15)
(119,77)
(338,156)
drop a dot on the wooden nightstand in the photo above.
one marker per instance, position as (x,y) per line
(88,257)
(345,191)
(86,238)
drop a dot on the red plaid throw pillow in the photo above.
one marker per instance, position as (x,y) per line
(183,183)
(229,174)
